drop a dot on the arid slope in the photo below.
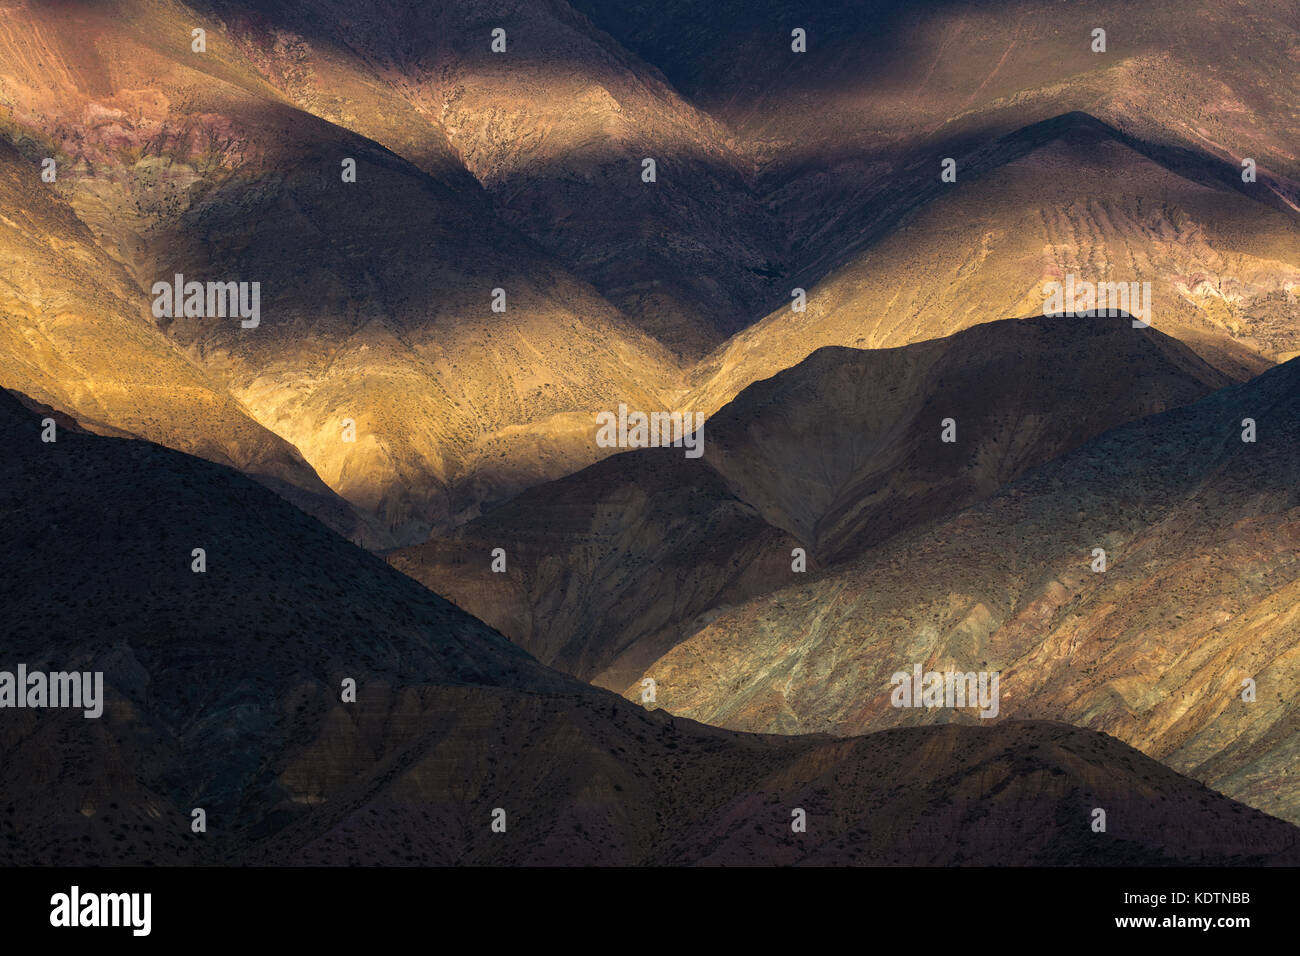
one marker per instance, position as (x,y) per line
(1200,592)
(1070,198)
(224,694)
(376,295)
(608,568)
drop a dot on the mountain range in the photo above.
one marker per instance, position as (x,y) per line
(476,228)
(225,692)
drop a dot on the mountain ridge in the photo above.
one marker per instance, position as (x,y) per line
(1198,532)
(216,700)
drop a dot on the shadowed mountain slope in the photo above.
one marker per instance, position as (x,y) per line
(1199,593)
(555,128)
(608,568)
(520,171)
(842,449)
(222,693)
(851,131)
(1224,269)
(77,336)
(124,543)
(201,667)
(590,785)
(376,295)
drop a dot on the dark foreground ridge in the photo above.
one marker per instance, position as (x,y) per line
(223,693)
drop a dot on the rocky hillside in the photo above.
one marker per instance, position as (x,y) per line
(1069,197)
(1199,594)
(224,691)
(378,354)
(609,568)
